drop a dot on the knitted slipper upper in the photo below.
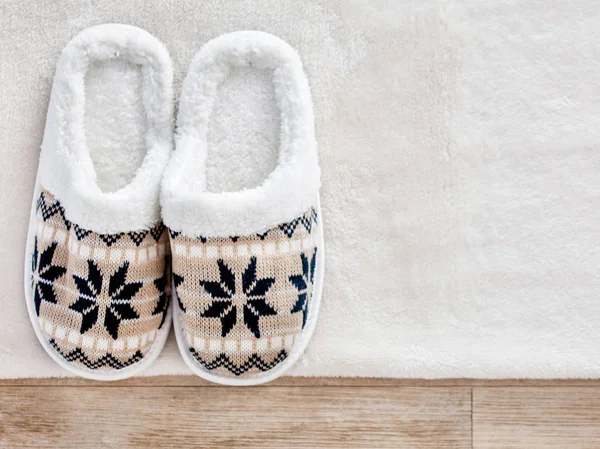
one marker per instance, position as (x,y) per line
(244,300)
(100,298)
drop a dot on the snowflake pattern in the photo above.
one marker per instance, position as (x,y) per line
(161,285)
(301,282)
(44,275)
(223,293)
(119,306)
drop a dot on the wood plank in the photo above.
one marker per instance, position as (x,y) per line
(531,418)
(194,381)
(227,417)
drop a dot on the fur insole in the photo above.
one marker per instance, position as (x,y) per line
(115,121)
(243,132)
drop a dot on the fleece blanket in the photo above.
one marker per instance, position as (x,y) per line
(460,149)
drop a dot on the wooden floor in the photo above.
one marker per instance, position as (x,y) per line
(186,412)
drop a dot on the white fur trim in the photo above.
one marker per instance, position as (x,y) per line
(66,168)
(288,191)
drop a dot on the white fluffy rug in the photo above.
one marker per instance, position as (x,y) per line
(460,146)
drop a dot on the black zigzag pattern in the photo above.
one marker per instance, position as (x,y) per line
(289,228)
(254,361)
(106,360)
(137,237)
(81,233)
(157,231)
(313,215)
(263,235)
(49,210)
(306,221)
(109,239)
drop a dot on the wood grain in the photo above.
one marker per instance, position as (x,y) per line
(549,418)
(185,411)
(224,417)
(309,382)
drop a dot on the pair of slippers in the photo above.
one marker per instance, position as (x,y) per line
(223,228)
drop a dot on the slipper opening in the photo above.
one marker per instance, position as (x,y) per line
(115,91)
(243,131)
(115,121)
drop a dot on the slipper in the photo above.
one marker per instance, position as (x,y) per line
(242,208)
(97,279)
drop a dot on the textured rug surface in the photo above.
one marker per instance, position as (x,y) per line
(460,147)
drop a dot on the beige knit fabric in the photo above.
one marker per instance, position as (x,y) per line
(244,300)
(100,299)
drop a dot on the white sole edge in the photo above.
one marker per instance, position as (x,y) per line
(297,350)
